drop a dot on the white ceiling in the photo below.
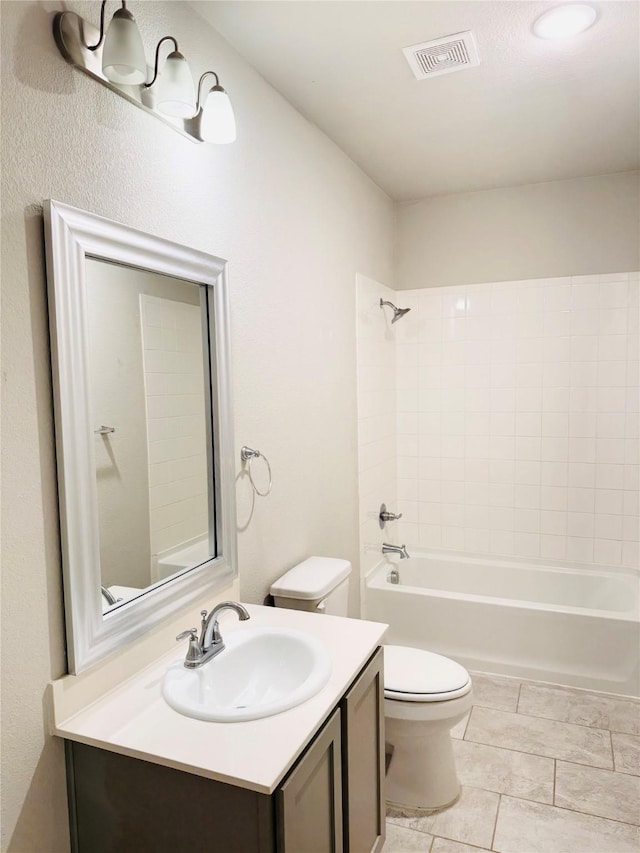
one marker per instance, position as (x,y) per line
(532,111)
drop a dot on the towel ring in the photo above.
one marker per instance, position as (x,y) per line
(248,455)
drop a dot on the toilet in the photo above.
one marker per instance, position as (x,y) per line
(425,694)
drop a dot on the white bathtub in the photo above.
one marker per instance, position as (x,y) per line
(574,626)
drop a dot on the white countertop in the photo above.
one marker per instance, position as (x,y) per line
(133,719)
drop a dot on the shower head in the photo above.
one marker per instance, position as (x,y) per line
(397,312)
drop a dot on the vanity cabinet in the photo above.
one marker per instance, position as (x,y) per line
(363,759)
(309,810)
(331,800)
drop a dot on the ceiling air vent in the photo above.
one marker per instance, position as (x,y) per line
(441,56)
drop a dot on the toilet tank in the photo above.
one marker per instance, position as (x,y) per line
(318,584)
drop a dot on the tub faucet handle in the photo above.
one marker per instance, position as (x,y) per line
(384,515)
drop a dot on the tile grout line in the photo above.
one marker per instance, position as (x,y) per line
(613,755)
(575,692)
(569,810)
(466,725)
(552,805)
(525,752)
(598,816)
(518,699)
(555,777)
(549,719)
(495,823)
(588,766)
(554,685)
(554,720)
(468,843)
(539,755)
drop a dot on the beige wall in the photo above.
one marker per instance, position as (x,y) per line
(575,227)
(295,218)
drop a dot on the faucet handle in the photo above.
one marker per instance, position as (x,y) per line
(194,652)
(384,515)
(192,633)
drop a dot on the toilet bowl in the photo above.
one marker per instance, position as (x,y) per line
(425,694)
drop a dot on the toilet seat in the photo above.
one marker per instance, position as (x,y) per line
(415,675)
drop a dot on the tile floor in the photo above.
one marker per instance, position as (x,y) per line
(544,769)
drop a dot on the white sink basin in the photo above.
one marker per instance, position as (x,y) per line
(262,671)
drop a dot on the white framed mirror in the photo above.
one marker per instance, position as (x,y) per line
(141,378)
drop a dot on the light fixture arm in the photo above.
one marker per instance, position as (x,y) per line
(215,86)
(155,67)
(101,38)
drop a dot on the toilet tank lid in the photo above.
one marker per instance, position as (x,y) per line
(315,577)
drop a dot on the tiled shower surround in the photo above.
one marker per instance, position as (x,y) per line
(516,416)
(173,377)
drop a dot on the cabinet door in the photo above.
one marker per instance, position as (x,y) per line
(309,802)
(363,760)
(120,804)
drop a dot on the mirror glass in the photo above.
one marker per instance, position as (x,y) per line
(148,351)
(144,439)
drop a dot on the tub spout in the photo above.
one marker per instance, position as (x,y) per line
(395,549)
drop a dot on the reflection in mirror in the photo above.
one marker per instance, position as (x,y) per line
(144,438)
(148,406)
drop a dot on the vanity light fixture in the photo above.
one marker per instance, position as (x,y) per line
(176,95)
(214,116)
(565,21)
(122,50)
(116,58)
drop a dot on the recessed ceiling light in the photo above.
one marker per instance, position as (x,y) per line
(565,21)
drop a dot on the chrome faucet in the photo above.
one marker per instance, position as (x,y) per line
(395,549)
(210,642)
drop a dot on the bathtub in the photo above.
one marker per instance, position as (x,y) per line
(575,626)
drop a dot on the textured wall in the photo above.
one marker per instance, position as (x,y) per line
(295,218)
(576,227)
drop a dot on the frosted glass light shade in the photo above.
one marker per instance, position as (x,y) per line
(176,94)
(565,21)
(218,123)
(123,59)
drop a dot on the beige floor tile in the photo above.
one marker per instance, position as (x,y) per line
(444,845)
(525,827)
(403,840)
(626,753)
(492,691)
(504,771)
(459,729)
(598,792)
(550,738)
(577,706)
(471,820)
